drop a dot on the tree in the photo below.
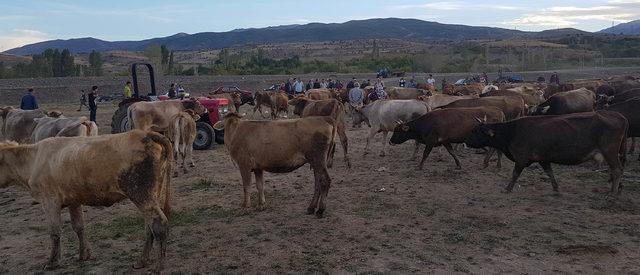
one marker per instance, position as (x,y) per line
(67,63)
(95,63)
(164,52)
(170,65)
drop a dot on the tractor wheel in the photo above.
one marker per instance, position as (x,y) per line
(204,136)
(119,121)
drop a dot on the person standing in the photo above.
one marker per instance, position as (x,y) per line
(93,108)
(172,93)
(356,100)
(28,101)
(431,81)
(412,83)
(298,86)
(554,79)
(351,84)
(379,88)
(288,88)
(309,85)
(323,84)
(127,90)
(316,84)
(486,78)
(83,100)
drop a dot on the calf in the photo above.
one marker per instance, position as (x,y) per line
(47,127)
(332,108)
(576,101)
(444,127)
(182,134)
(156,115)
(382,115)
(565,139)
(512,107)
(280,147)
(276,101)
(95,171)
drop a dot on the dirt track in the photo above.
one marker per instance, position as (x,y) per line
(382,216)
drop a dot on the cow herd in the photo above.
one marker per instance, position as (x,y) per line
(63,163)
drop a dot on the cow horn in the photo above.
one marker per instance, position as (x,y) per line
(479,120)
(399,122)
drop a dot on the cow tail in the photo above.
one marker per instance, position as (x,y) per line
(67,131)
(166,167)
(623,146)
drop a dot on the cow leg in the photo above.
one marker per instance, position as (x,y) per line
(260,186)
(384,143)
(77,223)
(189,148)
(330,155)
(499,164)
(450,150)
(372,133)
(316,193)
(344,142)
(323,181)
(547,169)
(488,156)
(52,211)
(147,246)
(633,146)
(615,171)
(246,185)
(517,170)
(160,229)
(415,151)
(425,154)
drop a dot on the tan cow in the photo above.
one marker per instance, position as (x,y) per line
(18,125)
(156,115)
(319,94)
(95,171)
(305,107)
(47,127)
(439,100)
(280,146)
(405,93)
(183,133)
(234,98)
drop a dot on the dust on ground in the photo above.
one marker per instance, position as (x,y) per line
(392,220)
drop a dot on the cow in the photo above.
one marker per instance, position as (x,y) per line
(405,93)
(512,107)
(619,98)
(333,108)
(18,125)
(382,116)
(605,90)
(589,84)
(552,89)
(182,134)
(576,101)
(234,98)
(563,139)
(444,127)
(319,94)
(280,147)
(95,171)
(630,109)
(529,100)
(47,127)
(276,101)
(469,89)
(156,115)
(439,100)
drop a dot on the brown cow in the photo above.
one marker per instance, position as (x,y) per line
(276,101)
(156,115)
(280,147)
(333,108)
(95,171)
(529,100)
(182,134)
(444,127)
(512,107)
(47,127)
(565,139)
(580,100)
(469,89)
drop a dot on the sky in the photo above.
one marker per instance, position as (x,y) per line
(28,21)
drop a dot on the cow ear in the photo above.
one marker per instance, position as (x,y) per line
(484,119)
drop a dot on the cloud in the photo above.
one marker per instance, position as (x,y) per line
(618,11)
(20,37)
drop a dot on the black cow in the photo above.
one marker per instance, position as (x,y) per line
(630,109)
(446,126)
(565,139)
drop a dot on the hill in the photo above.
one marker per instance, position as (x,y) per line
(629,28)
(388,28)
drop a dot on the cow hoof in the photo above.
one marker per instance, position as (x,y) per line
(320,213)
(192,165)
(175,174)
(382,154)
(310,211)
(86,255)
(51,266)
(140,264)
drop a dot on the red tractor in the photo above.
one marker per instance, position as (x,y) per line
(206,135)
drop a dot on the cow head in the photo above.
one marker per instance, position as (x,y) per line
(192,104)
(230,118)
(298,103)
(481,136)
(402,132)
(54,114)
(193,114)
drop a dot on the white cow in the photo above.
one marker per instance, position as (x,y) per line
(383,115)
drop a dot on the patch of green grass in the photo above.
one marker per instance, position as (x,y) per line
(203,184)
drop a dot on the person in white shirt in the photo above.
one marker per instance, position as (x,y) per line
(431,81)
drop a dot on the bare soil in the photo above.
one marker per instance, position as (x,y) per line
(383,216)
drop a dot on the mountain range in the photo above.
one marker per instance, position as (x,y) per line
(410,29)
(629,28)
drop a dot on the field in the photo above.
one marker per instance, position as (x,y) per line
(383,216)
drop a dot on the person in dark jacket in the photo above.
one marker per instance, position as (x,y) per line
(172,93)
(83,100)
(316,84)
(309,85)
(29,101)
(554,79)
(93,108)
(351,84)
(288,87)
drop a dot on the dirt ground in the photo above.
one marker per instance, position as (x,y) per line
(383,216)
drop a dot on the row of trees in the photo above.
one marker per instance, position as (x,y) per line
(53,63)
